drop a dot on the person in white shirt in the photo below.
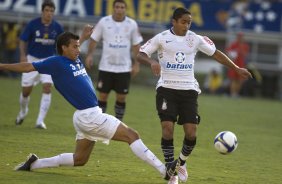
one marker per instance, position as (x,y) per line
(119,34)
(177,88)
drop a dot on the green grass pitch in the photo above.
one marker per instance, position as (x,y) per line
(257,124)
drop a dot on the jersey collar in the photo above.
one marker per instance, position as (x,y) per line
(171,30)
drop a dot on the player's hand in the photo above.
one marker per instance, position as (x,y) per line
(156,68)
(244,73)
(86,32)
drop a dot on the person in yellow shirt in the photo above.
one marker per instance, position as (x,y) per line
(213,82)
(10,44)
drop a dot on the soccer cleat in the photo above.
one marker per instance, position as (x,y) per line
(173,180)
(41,126)
(182,173)
(172,169)
(20,117)
(25,166)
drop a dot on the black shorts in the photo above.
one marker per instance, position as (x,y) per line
(119,82)
(179,106)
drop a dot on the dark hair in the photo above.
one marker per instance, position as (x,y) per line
(48,3)
(119,1)
(178,12)
(64,39)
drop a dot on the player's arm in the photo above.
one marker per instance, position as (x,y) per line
(89,57)
(223,59)
(143,58)
(22,48)
(86,33)
(18,67)
(135,65)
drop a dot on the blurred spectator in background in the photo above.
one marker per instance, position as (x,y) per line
(213,83)
(1,43)
(10,44)
(237,51)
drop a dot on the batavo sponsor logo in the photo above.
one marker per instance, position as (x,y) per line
(178,66)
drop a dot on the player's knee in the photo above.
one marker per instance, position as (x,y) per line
(167,133)
(80,161)
(191,137)
(132,135)
(47,88)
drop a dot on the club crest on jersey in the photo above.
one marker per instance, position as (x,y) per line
(190,41)
(37,33)
(164,105)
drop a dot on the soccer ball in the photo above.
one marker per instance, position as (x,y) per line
(225,142)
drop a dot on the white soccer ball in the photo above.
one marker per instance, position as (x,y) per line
(225,142)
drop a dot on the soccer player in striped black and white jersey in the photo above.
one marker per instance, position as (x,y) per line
(120,36)
(177,88)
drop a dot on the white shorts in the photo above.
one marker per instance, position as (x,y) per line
(94,125)
(33,78)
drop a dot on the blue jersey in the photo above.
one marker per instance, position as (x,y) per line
(41,39)
(70,79)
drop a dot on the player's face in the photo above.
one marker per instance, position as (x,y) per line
(119,11)
(182,25)
(72,51)
(48,14)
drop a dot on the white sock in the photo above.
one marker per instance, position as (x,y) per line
(64,159)
(141,151)
(24,101)
(182,157)
(44,107)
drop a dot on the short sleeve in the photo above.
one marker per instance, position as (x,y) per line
(206,45)
(25,35)
(60,29)
(136,36)
(46,66)
(98,30)
(150,46)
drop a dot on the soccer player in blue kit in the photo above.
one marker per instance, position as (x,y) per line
(37,42)
(73,83)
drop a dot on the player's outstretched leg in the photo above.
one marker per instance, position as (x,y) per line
(130,136)
(25,166)
(141,151)
(33,162)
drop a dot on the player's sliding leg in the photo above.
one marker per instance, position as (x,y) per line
(130,136)
(79,158)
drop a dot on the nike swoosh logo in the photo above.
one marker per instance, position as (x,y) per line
(167,41)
